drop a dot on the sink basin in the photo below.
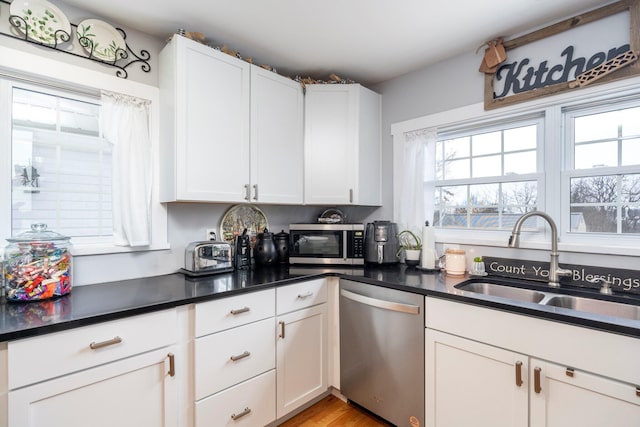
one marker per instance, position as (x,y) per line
(504,291)
(595,306)
(578,303)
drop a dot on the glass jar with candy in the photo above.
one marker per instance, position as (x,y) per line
(37,265)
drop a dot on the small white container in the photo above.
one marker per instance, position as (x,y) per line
(455,262)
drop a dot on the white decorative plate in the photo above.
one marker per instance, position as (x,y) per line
(42,20)
(105,40)
(240,217)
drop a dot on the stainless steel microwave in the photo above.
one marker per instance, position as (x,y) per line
(338,244)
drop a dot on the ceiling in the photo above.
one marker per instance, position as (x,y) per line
(368,41)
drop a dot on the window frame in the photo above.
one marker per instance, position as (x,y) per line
(31,68)
(498,125)
(569,171)
(555,176)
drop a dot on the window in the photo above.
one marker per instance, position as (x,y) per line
(603,169)
(61,167)
(486,177)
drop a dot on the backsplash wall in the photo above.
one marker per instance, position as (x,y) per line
(187,222)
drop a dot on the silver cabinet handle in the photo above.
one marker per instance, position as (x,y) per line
(255,191)
(247,192)
(351,195)
(387,305)
(96,345)
(305,295)
(236,417)
(240,356)
(240,310)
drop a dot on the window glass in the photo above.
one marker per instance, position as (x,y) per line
(607,203)
(606,139)
(61,167)
(494,193)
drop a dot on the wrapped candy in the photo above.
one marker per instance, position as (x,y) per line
(37,265)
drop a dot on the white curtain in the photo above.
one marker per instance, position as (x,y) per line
(125,124)
(411,211)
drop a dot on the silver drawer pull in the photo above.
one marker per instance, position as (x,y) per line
(240,310)
(236,417)
(240,356)
(96,345)
(305,295)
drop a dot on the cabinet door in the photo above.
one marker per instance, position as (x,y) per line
(330,143)
(473,384)
(301,357)
(576,398)
(276,138)
(212,124)
(137,391)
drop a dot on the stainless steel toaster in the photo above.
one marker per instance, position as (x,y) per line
(208,257)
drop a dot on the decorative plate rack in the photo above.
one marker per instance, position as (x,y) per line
(42,23)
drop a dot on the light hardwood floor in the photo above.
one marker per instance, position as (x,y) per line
(333,412)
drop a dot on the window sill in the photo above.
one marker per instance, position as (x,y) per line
(105,249)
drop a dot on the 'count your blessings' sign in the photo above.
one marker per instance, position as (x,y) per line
(597,46)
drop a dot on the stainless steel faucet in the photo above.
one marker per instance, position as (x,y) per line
(555,272)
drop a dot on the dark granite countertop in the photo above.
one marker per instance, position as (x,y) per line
(102,302)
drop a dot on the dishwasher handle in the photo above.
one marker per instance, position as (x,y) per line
(386,305)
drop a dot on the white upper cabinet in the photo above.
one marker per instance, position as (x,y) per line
(204,96)
(277,108)
(230,131)
(342,145)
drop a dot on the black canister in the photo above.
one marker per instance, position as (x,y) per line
(265,253)
(282,247)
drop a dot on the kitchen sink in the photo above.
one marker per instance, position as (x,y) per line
(503,291)
(551,299)
(596,306)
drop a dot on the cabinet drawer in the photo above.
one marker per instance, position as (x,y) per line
(39,358)
(301,295)
(252,346)
(256,398)
(225,313)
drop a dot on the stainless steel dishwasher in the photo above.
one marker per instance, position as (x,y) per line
(382,351)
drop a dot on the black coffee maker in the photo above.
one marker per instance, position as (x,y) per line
(243,251)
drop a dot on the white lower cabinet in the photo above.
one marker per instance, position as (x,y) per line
(133,392)
(235,360)
(565,397)
(490,368)
(473,384)
(301,346)
(250,404)
(120,372)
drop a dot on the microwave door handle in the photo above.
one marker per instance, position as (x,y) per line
(345,244)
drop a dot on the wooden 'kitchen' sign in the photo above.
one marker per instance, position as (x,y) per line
(601,46)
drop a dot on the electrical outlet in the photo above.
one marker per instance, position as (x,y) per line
(211,234)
